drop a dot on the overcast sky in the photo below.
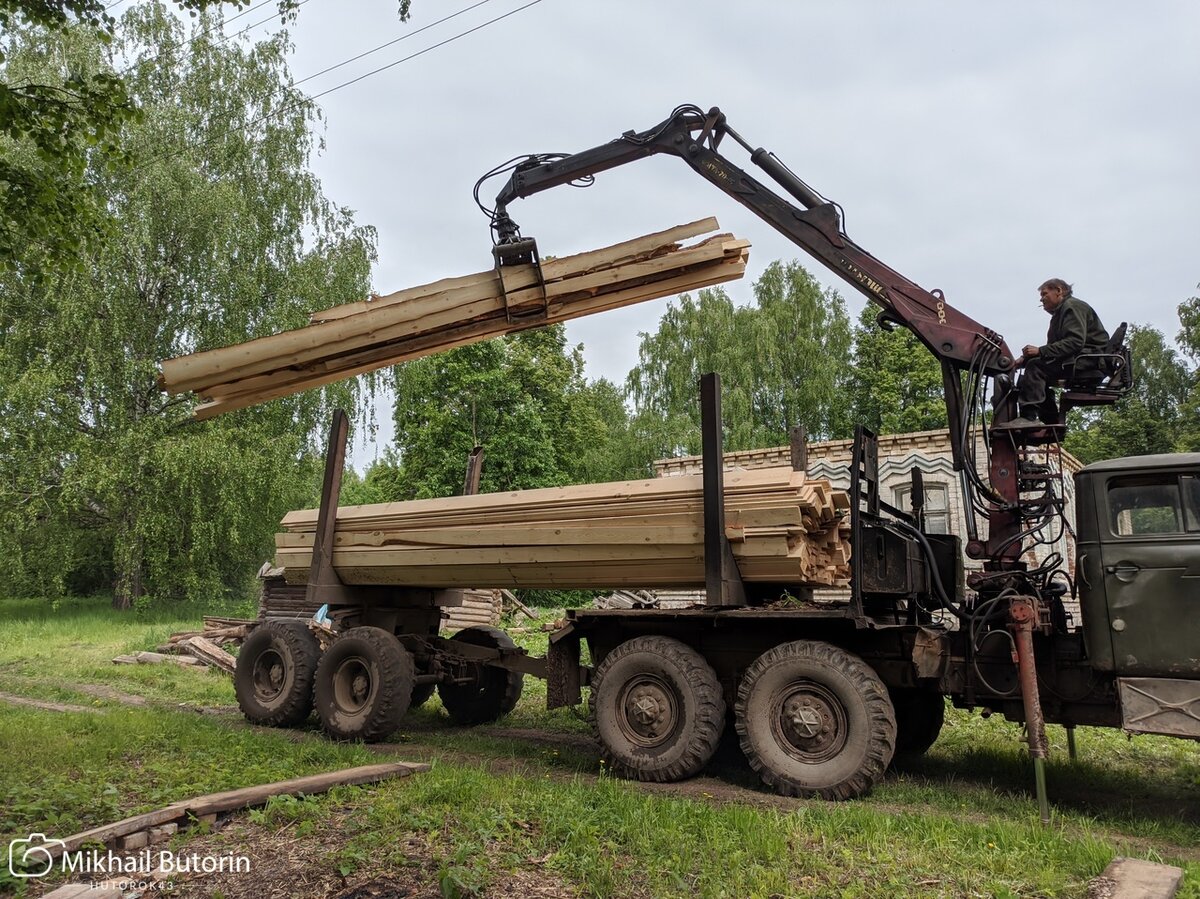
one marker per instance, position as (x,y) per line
(977,148)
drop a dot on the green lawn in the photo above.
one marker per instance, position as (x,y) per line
(527,799)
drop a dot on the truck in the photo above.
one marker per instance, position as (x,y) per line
(822,696)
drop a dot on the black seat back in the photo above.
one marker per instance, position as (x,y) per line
(1107,375)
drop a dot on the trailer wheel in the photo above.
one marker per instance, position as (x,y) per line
(919,718)
(657,709)
(494,692)
(815,720)
(364,684)
(273,679)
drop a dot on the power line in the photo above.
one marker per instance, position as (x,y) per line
(403,37)
(286,106)
(390,65)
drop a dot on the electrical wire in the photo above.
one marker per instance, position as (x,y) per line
(403,37)
(289,105)
(448,40)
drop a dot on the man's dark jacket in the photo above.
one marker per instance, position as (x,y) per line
(1074,329)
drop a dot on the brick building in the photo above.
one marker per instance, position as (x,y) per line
(898,455)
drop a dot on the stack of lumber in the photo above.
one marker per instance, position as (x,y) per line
(279,599)
(478,607)
(359,337)
(783,527)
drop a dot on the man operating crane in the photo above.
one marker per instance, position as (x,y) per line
(1075,331)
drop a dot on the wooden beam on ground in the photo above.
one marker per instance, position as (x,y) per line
(233,800)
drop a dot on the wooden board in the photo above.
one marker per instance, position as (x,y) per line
(358,337)
(783,526)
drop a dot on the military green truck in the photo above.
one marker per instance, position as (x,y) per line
(822,696)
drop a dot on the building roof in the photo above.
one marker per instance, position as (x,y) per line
(835,451)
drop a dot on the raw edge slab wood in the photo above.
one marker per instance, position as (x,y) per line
(209,653)
(359,337)
(233,800)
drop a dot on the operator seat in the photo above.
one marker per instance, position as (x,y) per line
(1107,374)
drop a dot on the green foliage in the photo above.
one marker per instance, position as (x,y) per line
(895,383)
(219,232)
(782,362)
(522,398)
(64,118)
(1151,419)
(1189,341)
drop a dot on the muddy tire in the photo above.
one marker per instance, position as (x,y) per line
(273,679)
(919,718)
(364,684)
(493,693)
(657,709)
(815,720)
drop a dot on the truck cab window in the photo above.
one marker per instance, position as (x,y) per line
(1142,506)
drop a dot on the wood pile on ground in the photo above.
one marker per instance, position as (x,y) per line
(783,527)
(359,337)
(218,630)
(191,649)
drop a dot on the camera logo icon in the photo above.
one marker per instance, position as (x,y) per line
(33,856)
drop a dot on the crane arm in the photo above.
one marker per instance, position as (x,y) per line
(955,339)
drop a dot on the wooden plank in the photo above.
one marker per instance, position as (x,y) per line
(422,309)
(552,269)
(232,800)
(318,373)
(210,653)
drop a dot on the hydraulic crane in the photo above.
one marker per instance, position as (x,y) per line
(970,353)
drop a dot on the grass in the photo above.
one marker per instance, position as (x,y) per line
(527,797)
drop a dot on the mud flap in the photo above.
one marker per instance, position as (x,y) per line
(564,677)
(1160,705)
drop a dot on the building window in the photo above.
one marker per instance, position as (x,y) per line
(937,506)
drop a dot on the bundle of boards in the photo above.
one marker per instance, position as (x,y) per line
(784,528)
(355,338)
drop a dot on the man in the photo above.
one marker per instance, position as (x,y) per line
(1075,330)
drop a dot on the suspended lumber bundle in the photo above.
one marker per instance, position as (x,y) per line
(783,528)
(359,337)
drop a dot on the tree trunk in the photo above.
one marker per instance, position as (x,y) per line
(127,560)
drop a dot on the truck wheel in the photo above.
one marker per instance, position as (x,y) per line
(919,718)
(657,708)
(273,679)
(815,720)
(493,692)
(364,684)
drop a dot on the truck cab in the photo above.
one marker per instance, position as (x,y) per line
(1138,577)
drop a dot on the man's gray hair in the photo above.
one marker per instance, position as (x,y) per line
(1057,284)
